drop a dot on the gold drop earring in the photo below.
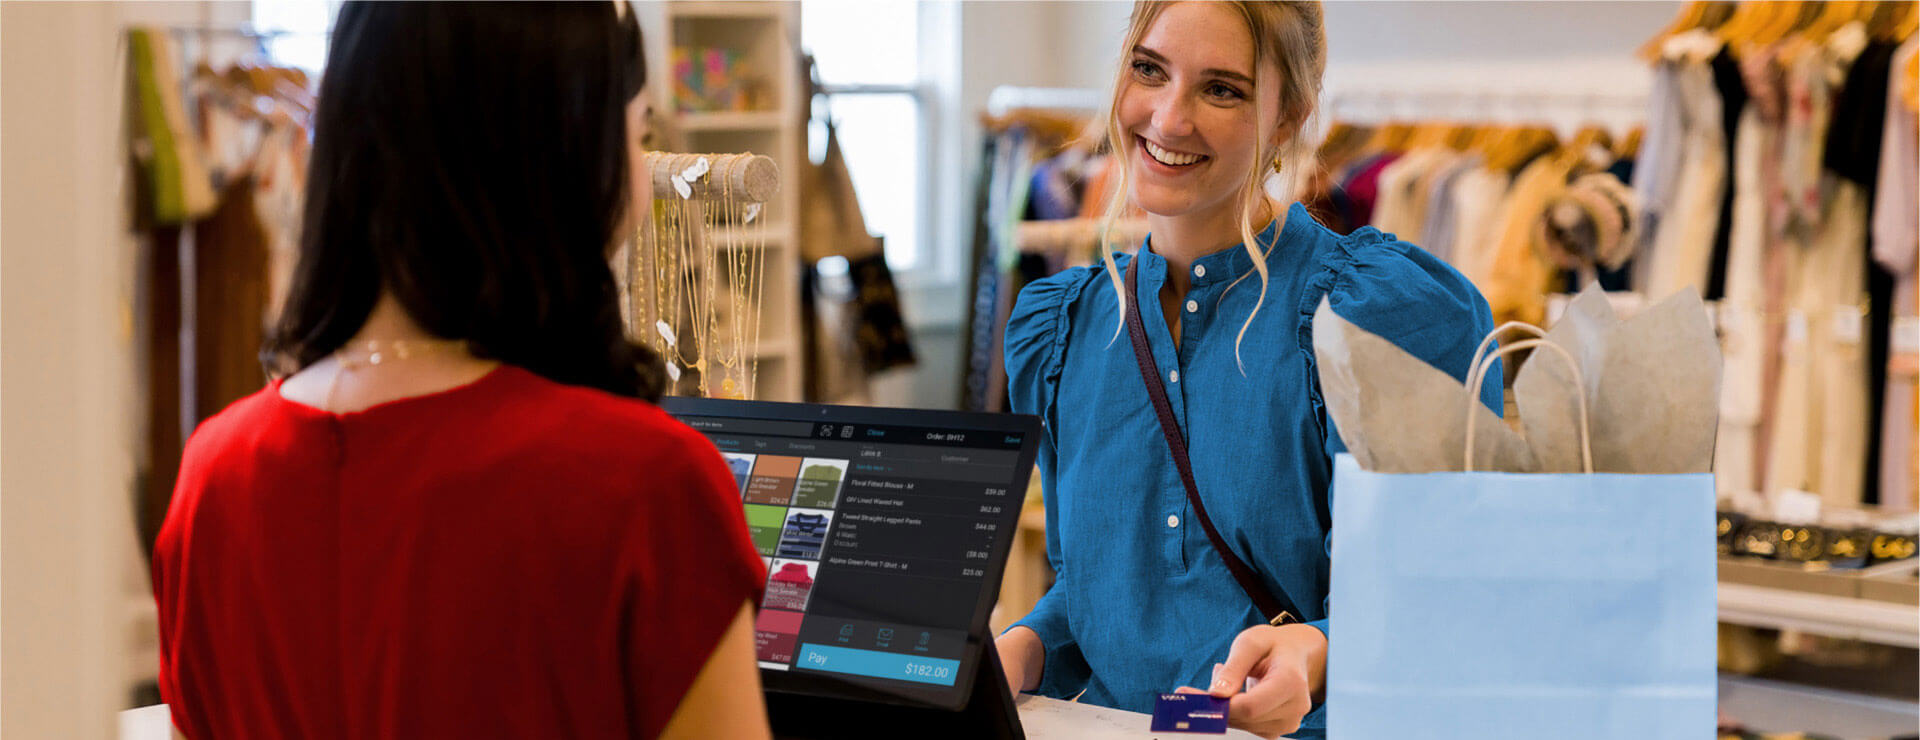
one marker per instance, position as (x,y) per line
(1275,185)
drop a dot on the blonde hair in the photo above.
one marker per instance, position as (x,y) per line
(1288,35)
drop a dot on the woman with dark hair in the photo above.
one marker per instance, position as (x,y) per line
(458,513)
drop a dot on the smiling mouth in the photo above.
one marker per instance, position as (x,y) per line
(1169,157)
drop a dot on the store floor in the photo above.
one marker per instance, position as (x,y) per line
(1773,706)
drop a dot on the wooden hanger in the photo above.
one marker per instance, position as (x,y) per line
(1344,140)
(1054,130)
(1630,145)
(1391,137)
(1462,136)
(1521,146)
(1891,22)
(1696,14)
(1910,81)
(1590,136)
(1797,22)
(1833,15)
(1748,20)
(1429,134)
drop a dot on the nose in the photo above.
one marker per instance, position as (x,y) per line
(1172,116)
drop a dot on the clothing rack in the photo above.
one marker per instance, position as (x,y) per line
(1564,110)
(1065,236)
(243,30)
(1008,98)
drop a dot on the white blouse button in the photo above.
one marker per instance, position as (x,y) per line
(1174,376)
(1199,270)
(1173,521)
(1193,306)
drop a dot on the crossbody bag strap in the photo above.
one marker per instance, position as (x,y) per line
(1277,608)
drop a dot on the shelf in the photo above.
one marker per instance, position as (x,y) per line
(725,9)
(754,120)
(1876,604)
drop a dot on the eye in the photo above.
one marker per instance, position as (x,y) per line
(1223,91)
(1146,70)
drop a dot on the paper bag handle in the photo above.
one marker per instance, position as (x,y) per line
(1479,374)
(1480,352)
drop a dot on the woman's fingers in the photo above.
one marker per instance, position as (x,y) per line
(1250,649)
(1273,707)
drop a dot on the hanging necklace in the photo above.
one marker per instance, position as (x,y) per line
(373,352)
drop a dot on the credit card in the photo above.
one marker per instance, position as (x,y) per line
(1200,713)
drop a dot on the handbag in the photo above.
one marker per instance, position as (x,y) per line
(1276,607)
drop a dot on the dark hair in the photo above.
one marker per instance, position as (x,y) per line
(471,159)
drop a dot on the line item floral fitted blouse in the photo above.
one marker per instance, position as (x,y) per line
(1141,604)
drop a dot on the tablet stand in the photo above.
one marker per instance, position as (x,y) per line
(989,714)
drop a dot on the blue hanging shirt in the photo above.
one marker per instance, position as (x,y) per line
(1141,604)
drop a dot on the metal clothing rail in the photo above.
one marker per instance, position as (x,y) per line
(243,30)
(1007,98)
(1417,103)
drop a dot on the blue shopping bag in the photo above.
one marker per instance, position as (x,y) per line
(1506,605)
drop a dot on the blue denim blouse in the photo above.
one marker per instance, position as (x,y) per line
(1141,604)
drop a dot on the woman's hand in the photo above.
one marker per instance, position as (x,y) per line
(1287,665)
(1021,658)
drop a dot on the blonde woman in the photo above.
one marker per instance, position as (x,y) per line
(1207,114)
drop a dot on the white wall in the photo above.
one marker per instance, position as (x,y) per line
(71,580)
(1560,61)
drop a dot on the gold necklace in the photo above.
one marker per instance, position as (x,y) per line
(376,352)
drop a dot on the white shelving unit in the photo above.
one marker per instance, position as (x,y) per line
(1878,604)
(764,34)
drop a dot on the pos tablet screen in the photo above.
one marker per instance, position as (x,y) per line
(885,533)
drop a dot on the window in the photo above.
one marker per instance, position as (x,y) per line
(301,30)
(868,55)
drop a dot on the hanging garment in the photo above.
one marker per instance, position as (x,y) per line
(171,185)
(1793,214)
(1057,186)
(1837,393)
(1620,279)
(1744,336)
(831,222)
(1006,179)
(834,373)
(230,297)
(1395,210)
(1682,251)
(1517,278)
(1480,195)
(881,330)
(1362,186)
(1420,203)
(1658,175)
(1438,225)
(1853,153)
(1819,420)
(1733,99)
(1896,245)
(1821,431)
(831,225)
(1587,227)
(280,177)
(1099,190)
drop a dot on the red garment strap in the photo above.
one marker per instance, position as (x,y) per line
(1277,608)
